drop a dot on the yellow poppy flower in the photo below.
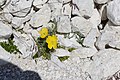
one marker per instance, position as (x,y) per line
(43,32)
(52,42)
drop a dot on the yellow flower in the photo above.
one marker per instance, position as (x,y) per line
(52,42)
(43,32)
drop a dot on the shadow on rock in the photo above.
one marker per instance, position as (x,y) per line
(9,71)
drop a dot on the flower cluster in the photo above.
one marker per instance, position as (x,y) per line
(46,43)
(51,39)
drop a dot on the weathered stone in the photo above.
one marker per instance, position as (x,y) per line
(105,63)
(20,8)
(2,2)
(39,2)
(103,12)
(82,25)
(86,7)
(25,44)
(101,1)
(113,11)
(109,36)
(56,9)
(66,10)
(63,24)
(68,43)
(57,61)
(61,52)
(83,52)
(95,18)
(4,55)
(90,39)
(5,30)
(41,17)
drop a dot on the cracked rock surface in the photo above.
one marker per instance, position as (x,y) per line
(98,22)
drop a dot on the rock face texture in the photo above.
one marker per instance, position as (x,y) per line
(88,32)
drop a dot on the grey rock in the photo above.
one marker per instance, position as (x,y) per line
(86,7)
(101,1)
(81,24)
(5,30)
(41,17)
(4,55)
(25,44)
(19,8)
(113,11)
(105,63)
(63,24)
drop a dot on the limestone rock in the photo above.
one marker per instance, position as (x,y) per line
(20,8)
(5,30)
(25,44)
(110,36)
(61,52)
(55,60)
(66,10)
(95,18)
(83,52)
(63,24)
(41,17)
(82,25)
(103,12)
(2,2)
(4,55)
(68,42)
(86,7)
(90,39)
(105,63)
(101,1)
(56,9)
(39,2)
(113,11)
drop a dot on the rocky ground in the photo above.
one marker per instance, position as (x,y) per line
(96,59)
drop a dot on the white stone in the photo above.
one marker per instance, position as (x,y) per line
(82,25)
(63,24)
(105,38)
(83,52)
(55,60)
(103,12)
(66,10)
(7,15)
(86,7)
(41,17)
(101,1)
(5,30)
(61,52)
(67,42)
(90,39)
(20,7)
(109,36)
(4,55)
(2,2)
(105,63)
(56,9)
(25,44)
(113,11)
(95,18)
(39,2)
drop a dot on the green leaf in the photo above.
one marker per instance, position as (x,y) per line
(9,46)
(63,58)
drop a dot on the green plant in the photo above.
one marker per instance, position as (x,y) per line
(9,46)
